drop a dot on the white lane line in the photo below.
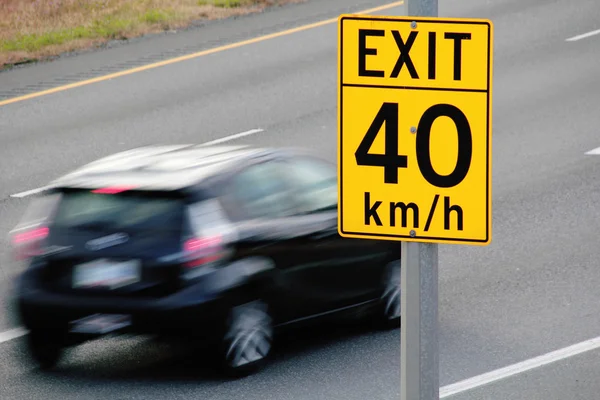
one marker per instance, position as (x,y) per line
(502,373)
(12,334)
(583,36)
(29,192)
(232,137)
(217,141)
(596,151)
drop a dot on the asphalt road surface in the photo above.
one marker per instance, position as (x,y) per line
(533,291)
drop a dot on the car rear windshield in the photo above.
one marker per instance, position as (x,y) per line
(86,210)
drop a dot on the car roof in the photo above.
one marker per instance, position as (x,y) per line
(159,167)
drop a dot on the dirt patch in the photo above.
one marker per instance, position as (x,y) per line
(39,29)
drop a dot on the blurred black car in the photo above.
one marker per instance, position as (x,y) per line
(224,243)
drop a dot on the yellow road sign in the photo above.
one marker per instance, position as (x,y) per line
(414,129)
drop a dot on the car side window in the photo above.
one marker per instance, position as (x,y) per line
(315,184)
(261,192)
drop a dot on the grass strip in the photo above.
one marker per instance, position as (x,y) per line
(41,29)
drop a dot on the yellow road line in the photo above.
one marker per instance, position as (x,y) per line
(190,56)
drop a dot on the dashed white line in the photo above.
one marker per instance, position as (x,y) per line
(232,137)
(29,192)
(583,36)
(216,141)
(532,363)
(595,152)
(12,334)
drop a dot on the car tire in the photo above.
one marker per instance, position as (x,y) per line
(248,339)
(389,308)
(46,347)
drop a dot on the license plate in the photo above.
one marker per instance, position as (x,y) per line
(100,323)
(106,273)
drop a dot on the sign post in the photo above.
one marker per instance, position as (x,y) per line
(419,349)
(414,155)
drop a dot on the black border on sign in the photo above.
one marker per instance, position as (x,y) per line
(341,111)
(368,86)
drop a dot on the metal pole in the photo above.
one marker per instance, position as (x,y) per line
(419,364)
(422,8)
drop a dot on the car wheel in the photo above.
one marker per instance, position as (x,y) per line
(390,310)
(248,338)
(45,347)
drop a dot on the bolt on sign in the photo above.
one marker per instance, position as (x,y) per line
(414,129)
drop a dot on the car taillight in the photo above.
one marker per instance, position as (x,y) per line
(113,189)
(29,243)
(201,251)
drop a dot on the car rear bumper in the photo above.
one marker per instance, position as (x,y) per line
(188,312)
